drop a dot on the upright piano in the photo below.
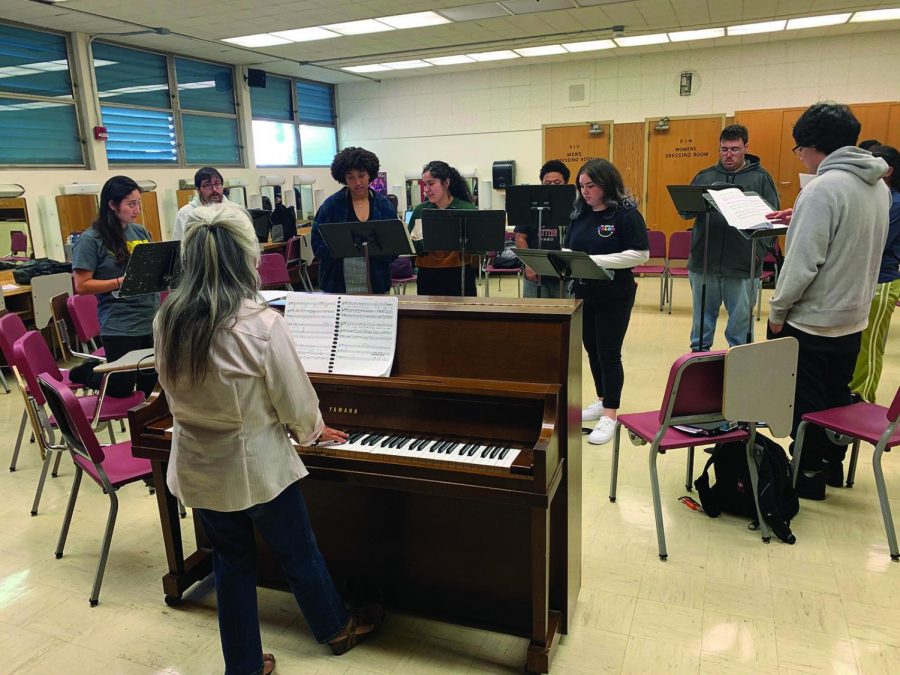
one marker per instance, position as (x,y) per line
(460,496)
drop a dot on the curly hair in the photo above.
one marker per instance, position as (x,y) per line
(457,187)
(349,159)
(555,166)
(890,155)
(826,127)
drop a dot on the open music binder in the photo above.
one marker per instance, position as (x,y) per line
(152,268)
(344,334)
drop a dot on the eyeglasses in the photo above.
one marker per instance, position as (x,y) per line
(731,151)
(211,185)
(797,149)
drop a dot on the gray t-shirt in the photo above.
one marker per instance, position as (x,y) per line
(118,316)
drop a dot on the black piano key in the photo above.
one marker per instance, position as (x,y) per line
(403,443)
(356,435)
(442,446)
(503,454)
(473,449)
(433,446)
(399,442)
(495,452)
(418,444)
(373,439)
(464,449)
(452,449)
(487,449)
(387,441)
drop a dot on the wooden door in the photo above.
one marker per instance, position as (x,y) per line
(149,217)
(874,120)
(184,196)
(76,213)
(892,137)
(674,157)
(628,156)
(573,144)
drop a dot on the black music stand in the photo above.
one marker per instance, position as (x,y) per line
(533,205)
(374,237)
(152,268)
(753,235)
(463,230)
(689,200)
(564,265)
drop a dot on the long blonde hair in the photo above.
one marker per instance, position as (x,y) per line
(219,255)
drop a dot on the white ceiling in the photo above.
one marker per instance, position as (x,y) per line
(197,26)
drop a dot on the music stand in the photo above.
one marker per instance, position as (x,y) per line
(151,268)
(689,200)
(463,230)
(753,235)
(531,205)
(564,265)
(374,237)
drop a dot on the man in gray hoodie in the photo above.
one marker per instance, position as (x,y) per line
(838,228)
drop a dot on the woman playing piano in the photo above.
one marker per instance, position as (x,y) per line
(234,383)
(439,270)
(606,225)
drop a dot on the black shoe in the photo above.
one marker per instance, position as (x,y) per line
(834,474)
(811,486)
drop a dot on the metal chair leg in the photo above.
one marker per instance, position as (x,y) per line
(671,292)
(753,466)
(70,509)
(657,505)
(690,470)
(112,435)
(15,457)
(104,546)
(854,456)
(181,510)
(3,381)
(883,500)
(614,469)
(55,472)
(798,448)
(40,487)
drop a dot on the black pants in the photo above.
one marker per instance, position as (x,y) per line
(824,370)
(444,281)
(607,311)
(122,384)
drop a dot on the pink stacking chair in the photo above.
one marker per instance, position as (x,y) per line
(273,272)
(771,259)
(676,266)
(656,265)
(402,273)
(110,467)
(83,313)
(18,244)
(33,358)
(867,422)
(693,395)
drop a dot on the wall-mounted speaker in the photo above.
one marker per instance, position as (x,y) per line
(504,173)
(256,77)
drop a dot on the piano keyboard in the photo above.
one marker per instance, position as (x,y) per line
(437,451)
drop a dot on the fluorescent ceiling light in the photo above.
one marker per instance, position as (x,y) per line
(407,65)
(754,28)
(359,27)
(876,15)
(702,34)
(450,60)
(494,56)
(546,50)
(589,46)
(641,40)
(306,34)
(414,20)
(258,40)
(817,21)
(371,68)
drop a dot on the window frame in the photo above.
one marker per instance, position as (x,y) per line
(176,110)
(80,139)
(295,122)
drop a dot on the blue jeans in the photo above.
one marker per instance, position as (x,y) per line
(737,294)
(549,288)
(284,524)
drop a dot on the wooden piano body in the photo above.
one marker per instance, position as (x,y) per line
(494,548)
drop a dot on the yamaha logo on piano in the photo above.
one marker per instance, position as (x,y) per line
(342,410)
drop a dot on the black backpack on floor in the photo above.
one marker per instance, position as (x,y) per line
(733,490)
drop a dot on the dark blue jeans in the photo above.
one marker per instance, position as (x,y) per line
(284,524)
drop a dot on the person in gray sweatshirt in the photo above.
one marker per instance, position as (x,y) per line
(838,228)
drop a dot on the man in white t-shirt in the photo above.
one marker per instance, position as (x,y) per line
(210,190)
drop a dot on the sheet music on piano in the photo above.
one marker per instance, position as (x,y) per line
(344,334)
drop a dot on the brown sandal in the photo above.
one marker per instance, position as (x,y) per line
(268,663)
(369,615)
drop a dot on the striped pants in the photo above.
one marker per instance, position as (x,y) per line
(874,338)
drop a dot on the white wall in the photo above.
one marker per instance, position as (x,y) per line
(471,119)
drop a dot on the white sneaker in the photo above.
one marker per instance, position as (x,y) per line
(603,432)
(592,412)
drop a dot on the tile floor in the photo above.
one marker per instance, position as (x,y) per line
(723,603)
